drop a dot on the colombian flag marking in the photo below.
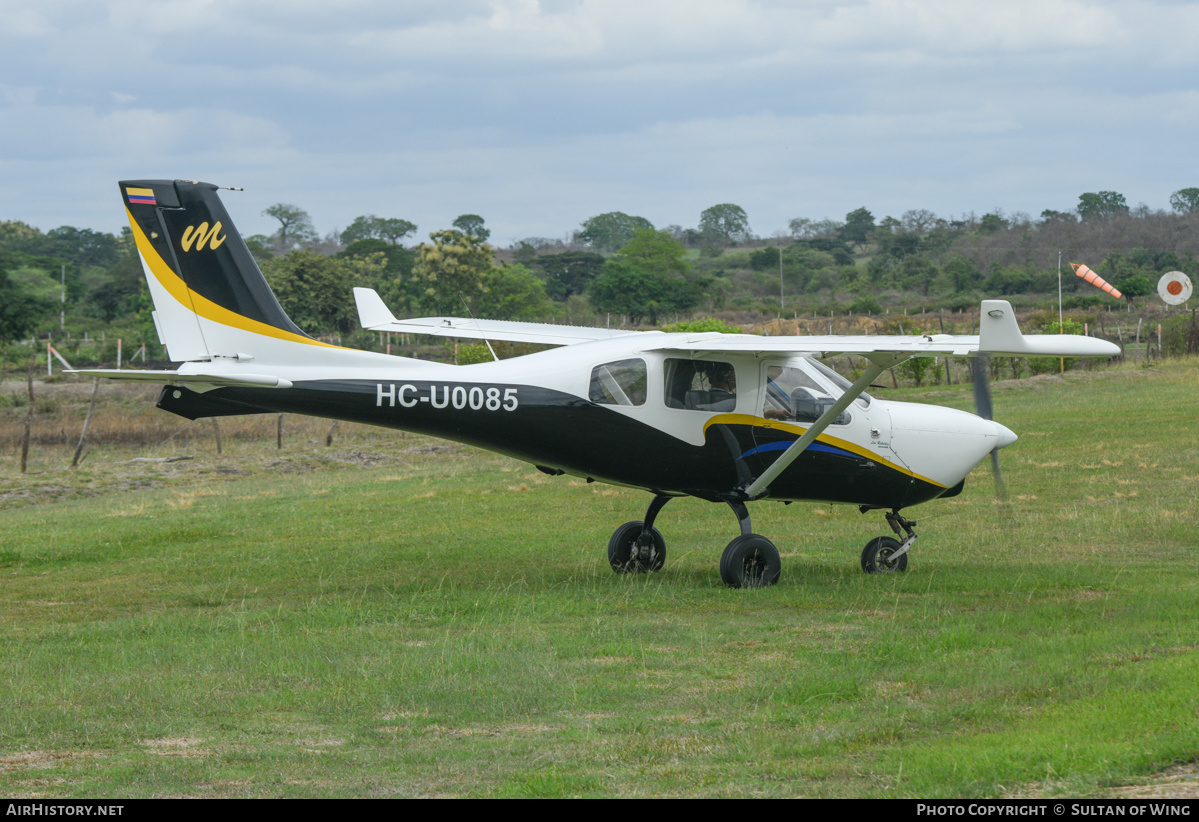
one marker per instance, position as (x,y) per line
(141,196)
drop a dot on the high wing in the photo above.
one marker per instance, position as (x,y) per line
(374,315)
(999,335)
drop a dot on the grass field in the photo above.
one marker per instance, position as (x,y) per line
(391,616)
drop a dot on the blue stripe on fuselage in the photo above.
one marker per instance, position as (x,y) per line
(783,445)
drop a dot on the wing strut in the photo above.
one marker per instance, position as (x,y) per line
(878,364)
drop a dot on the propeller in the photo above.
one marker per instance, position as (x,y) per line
(984,408)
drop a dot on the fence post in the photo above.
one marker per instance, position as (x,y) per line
(28,415)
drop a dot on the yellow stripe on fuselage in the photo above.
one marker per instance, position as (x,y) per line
(799,431)
(200,305)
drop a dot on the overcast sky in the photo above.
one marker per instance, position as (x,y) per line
(538,115)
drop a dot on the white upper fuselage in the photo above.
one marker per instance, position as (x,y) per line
(933,443)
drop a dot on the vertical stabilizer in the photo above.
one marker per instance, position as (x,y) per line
(210,298)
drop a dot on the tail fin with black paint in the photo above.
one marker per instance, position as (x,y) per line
(210,298)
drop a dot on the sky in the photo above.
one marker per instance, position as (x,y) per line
(537,115)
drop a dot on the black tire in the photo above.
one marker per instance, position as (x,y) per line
(750,561)
(876,557)
(626,557)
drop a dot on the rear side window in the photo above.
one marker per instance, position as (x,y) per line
(701,385)
(619,383)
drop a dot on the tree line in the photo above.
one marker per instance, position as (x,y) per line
(73,282)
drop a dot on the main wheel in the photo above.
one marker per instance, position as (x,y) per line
(627,557)
(876,556)
(750,561)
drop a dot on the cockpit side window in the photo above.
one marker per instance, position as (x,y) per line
(619,383)
(701,385)
(792,395)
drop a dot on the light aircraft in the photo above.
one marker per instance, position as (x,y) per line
(728,418)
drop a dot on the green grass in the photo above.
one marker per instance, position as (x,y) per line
(445,624)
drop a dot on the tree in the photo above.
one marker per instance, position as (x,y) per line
(451,268)
(295,226)
(919,221)
(1101,206)
(858,225)
(315,291)
(512,292)
(393,229)
(81,246)
(20,312)
(990,223)
(624,288)
(472,226)
(260,247)
(656,252)
(569,272)
(899,246)
(116,292)
(1135,286)
(370,227)
(725,223)
(962,274)
(387,268)
(918,273)
(804,229)
(1185,200)
(1050,216)
(765,258)
(611,230)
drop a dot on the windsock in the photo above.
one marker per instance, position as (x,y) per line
(1094,279)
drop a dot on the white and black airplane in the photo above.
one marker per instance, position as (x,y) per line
(730,418)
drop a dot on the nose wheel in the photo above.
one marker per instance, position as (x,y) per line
(887,555)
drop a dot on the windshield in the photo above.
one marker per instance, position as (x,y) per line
(841,383)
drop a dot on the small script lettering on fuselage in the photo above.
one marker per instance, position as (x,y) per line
(474,397)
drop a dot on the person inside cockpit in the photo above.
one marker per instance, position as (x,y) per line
(722,396)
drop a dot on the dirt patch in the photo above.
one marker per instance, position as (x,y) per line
(31,760)
(1180,782)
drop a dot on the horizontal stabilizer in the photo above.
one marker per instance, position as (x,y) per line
(374,315)
(175,377)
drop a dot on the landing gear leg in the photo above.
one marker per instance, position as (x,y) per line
(638,547)
(886,555)
(750,560)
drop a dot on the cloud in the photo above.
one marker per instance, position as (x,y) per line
(541,114)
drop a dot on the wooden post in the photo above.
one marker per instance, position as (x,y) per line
(329,435)
(91,408)
(28,416)
(216,430)
(279,433)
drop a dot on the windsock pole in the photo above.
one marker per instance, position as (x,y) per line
(1094,279)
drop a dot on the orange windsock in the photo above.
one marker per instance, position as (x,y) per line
(1094,279)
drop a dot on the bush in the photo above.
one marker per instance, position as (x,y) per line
(916,369)
(702,325)
(866,304)
(1180,335)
